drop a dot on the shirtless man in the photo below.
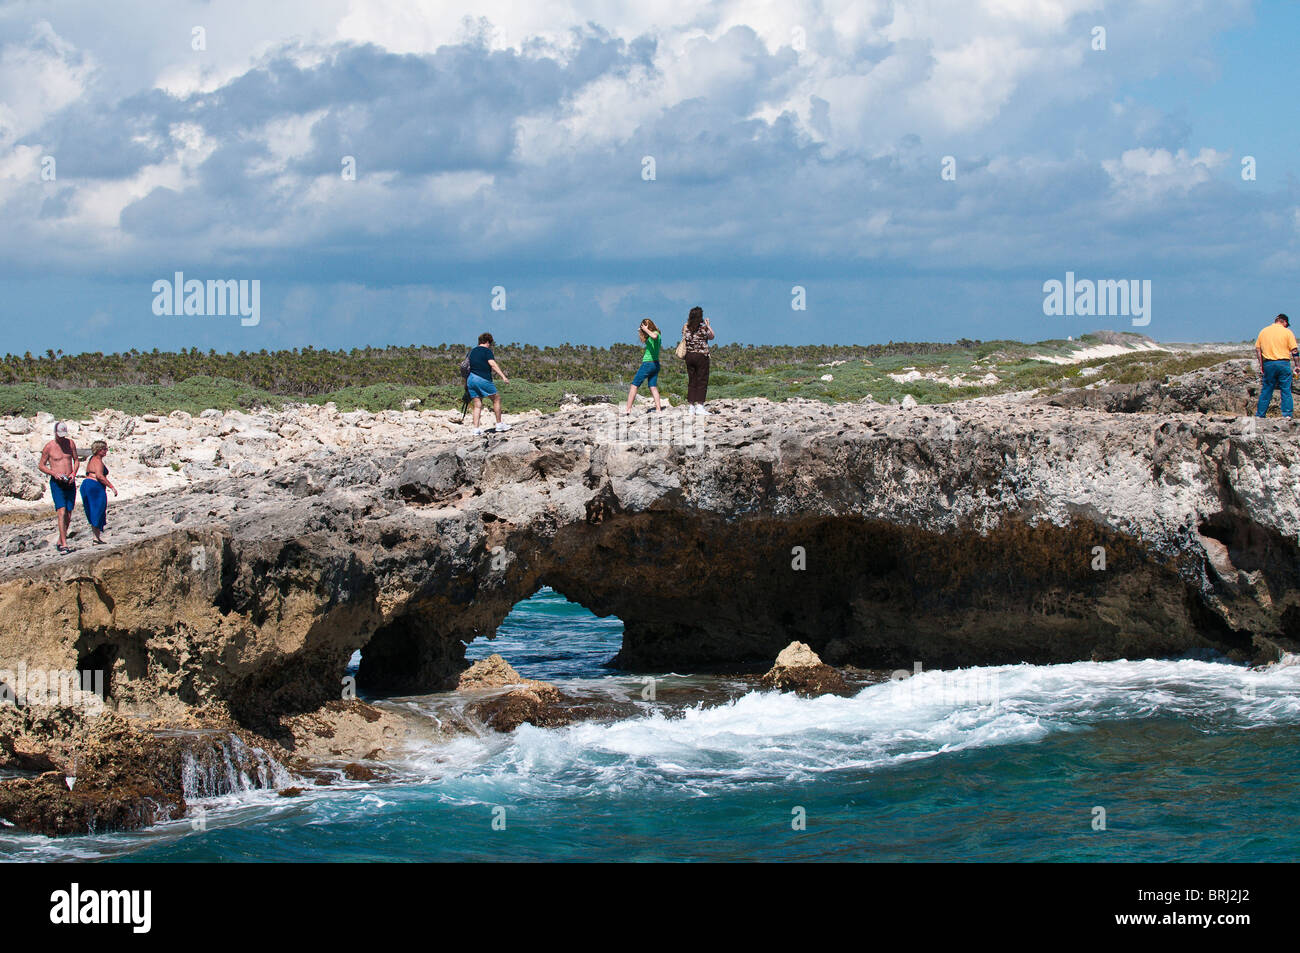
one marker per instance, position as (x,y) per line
(59,461)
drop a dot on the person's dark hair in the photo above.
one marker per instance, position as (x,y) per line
(695,319)
(1282,317)
(486,338)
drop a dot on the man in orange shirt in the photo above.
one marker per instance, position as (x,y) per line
(1277,352)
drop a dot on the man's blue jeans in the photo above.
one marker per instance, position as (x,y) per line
(1277,375)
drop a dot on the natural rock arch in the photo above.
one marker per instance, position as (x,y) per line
(951,537)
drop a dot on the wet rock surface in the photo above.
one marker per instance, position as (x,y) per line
(110,773)
(527,701)
(535,703)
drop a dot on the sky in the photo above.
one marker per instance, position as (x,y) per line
(810,171)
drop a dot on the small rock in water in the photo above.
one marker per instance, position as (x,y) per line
(798,668)
(797,655)
(491,672)
(538,703)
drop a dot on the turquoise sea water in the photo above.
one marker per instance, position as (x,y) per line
(1191,761)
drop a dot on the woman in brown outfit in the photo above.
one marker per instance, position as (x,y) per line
(697,334)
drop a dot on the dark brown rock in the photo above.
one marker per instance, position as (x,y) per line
(359,772)
(536,703)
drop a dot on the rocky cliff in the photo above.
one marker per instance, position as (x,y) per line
(877,535)
(985,532)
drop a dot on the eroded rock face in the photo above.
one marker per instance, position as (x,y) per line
(108,773)
(979,533)
(342,730)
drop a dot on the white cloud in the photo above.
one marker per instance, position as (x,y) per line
(1150,172)
(37,79)
(902,83)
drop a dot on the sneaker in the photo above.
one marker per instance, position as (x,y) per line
(500,427)
(690,409)
(701,412)
(478,431)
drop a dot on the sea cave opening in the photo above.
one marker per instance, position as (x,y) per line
(549,636)
(544,636)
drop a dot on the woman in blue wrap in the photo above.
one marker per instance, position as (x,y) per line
(93,496)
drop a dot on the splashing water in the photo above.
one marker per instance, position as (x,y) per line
(227,766)
(1191,760)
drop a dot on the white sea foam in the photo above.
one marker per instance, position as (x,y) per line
(766,737)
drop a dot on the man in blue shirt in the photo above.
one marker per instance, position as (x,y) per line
(482,364)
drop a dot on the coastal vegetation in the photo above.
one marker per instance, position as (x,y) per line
(136,382)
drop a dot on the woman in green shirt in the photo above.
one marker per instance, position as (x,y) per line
(649,370)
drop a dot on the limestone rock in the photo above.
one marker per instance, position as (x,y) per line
(19,478)
(252,586)
(153,455)
(491,672)
(118,426)
(797,655)
(1228,388)
(798,668)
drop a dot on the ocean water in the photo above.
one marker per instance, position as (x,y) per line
(1190,760)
